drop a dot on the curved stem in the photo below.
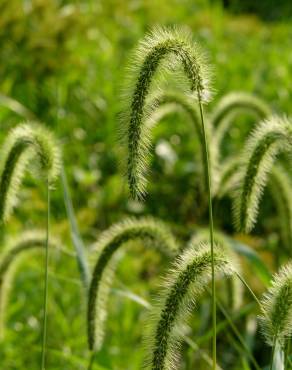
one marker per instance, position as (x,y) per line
(211,228)
(45,305)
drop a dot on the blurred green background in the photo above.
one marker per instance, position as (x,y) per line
(65,61)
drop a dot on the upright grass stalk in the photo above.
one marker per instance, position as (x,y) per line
(45,305)
(211,226)
(164,45)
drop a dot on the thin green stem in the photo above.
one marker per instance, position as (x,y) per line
(273,352)
(45,305)
(249,289)
(91,360)
(211,228)
(238,335)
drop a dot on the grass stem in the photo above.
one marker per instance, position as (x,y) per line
(45,305)
(211,228)
(249,289)
(91,360)
(273,353)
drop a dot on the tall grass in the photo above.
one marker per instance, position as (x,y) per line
(152,233)
(159,46)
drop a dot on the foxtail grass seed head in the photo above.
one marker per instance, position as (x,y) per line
(27,144)
(240,102)
(183,286)
(276,318)
(152,233)
(272,136)
(160,45)
(234,292)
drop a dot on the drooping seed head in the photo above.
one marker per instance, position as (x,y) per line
(276,320)
(152,233)
(28,143)
(10,259)
(234,292)
(185,282)
(229,176)
(271,137)
(159,46)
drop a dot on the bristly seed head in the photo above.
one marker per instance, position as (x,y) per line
(276,320)
(24,143)
(152,233)
(272,136)
(158,46)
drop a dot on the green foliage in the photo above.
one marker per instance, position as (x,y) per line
(61,66)
(234,287)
